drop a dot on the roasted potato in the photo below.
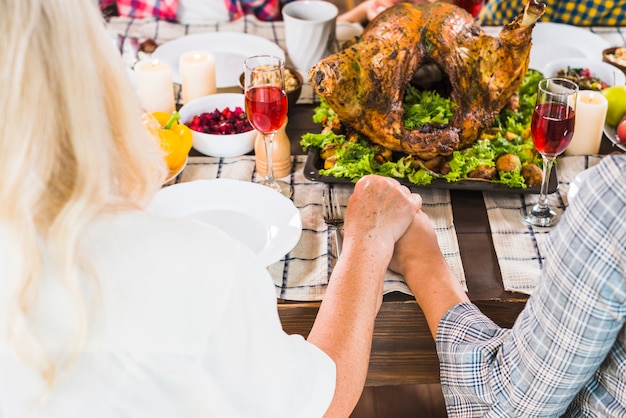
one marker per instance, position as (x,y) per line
(532,174)
(483,172)
(435,164)
(508,163)
(328,150)
(330,162)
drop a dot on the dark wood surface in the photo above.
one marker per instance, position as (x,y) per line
(403,351)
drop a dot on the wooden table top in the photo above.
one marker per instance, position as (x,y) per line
(403,351)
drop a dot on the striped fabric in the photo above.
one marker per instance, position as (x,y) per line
(303,274)
(572,12)
(566,353)
(521,249)
(265,10)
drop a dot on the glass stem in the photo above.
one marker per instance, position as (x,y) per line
(547,168)
(269,166)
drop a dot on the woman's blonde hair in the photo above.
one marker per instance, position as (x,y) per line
(72,147)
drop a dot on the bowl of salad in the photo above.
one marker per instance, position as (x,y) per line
(588,74)
(615,56)
(219,125)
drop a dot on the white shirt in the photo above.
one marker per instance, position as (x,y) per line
(186,326)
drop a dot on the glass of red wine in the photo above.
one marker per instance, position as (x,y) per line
(552,128)
(473,7)
(266,107)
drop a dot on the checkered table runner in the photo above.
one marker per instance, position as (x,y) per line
(520,248)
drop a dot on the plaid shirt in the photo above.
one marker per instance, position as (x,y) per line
(267,10)
(572,12)
(566,353)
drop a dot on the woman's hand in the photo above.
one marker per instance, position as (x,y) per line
(379,211)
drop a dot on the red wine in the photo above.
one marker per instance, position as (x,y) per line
(266,107)
(472,6)
(552,127)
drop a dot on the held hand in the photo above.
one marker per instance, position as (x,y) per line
(418,258)
(418,248)
(380,208)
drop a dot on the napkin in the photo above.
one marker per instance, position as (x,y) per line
(520,248)
(304,272)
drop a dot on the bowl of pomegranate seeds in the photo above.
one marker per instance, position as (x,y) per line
(219,125)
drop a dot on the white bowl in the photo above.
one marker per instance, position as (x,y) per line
(609,74)
(218,145)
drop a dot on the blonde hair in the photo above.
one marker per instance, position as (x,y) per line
(72,147)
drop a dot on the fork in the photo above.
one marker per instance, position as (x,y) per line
(333,216)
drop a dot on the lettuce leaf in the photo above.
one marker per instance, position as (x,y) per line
(425,108)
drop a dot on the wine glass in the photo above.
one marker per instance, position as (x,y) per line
(266,107)
(552,128)
(472,6)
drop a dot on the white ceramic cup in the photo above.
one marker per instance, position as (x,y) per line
(309,31)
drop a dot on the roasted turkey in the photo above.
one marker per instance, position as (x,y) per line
(365,82)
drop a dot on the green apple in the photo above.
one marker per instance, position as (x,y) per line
(616,96)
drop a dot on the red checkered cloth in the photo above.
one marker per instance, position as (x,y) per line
(266,10)
(106,3)
(161,9)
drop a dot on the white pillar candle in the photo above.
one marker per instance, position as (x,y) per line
(197,73)
(154,86)
(591,107)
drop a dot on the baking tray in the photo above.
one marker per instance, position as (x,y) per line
(314,163)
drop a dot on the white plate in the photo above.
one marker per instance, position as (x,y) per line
(552,41)
(611,133)
(175,174)
(254,214)
(574,186)
(230,50)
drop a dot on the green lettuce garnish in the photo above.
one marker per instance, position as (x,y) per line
(425,108)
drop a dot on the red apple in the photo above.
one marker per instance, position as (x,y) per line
(621,130)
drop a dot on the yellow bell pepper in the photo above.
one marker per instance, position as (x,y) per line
(175,139)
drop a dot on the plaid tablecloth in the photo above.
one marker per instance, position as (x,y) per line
(304,272)
(520,248)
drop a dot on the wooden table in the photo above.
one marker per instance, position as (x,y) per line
(403,350)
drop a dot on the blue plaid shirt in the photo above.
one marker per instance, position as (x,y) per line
(566,353)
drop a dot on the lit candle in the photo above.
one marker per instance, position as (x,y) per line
(154,86)
(197,73)
(591,107)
